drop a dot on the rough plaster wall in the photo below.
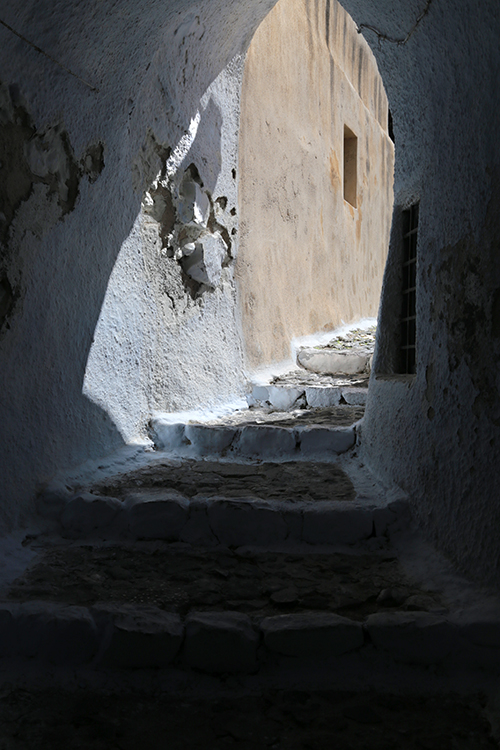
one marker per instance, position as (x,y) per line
(437,434)
(308,260)
(81,159)
(165,340)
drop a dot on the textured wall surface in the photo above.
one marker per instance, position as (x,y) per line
(98,326)
(168,336)
(437,434)
(309,260)
(75,170)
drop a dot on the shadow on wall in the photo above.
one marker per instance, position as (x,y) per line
(51,301)
(89,355)
(65,218)
(47,299)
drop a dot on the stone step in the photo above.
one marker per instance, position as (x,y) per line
(288,397)
(334,361)
(224,502)
(236,521)
(250,438)
(130,636)
(240,615)
(244,568)
(207,518)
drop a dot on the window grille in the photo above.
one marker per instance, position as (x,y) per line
(408,308)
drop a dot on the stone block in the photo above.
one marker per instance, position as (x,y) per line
(412,637)
(401,508)
(283,398)
(318,397)
(246,521)
(197,529)
(327,524)
(312,634)
(264,441)
(88,515)
(221,642)
(159,517)
(355,396)
(333,362)
(208,440)
(141,637)
(294,520)
(56,633)
(317,440)
(260,394)
(214,252)
(167,436)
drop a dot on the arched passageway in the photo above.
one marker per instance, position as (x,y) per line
(84,144)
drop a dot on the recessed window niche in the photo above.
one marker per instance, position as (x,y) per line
(350,167)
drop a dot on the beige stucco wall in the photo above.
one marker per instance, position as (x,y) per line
(308,260)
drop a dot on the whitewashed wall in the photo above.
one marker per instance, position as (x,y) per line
(97,329)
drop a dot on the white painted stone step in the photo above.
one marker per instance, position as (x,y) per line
(463,634)
(334,361)
(285,397)
(227,502)
(267,440)
(167,515)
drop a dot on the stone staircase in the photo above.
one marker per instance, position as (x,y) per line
(300,389)
(255,559)
(326,376)
(247,568)
(299,415)
(259,434)
(243,586)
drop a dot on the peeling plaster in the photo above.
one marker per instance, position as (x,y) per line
(39,181)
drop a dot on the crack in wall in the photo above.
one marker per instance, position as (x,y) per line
(403,40)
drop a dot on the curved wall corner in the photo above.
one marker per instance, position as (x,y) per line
(89,340)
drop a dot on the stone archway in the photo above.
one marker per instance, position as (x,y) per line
(134,72)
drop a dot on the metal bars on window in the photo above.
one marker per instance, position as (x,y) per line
(408,307)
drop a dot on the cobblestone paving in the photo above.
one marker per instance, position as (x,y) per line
(358,338)
(180,578)
(334,416)
(301,377)
(300,720)
(291,481)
